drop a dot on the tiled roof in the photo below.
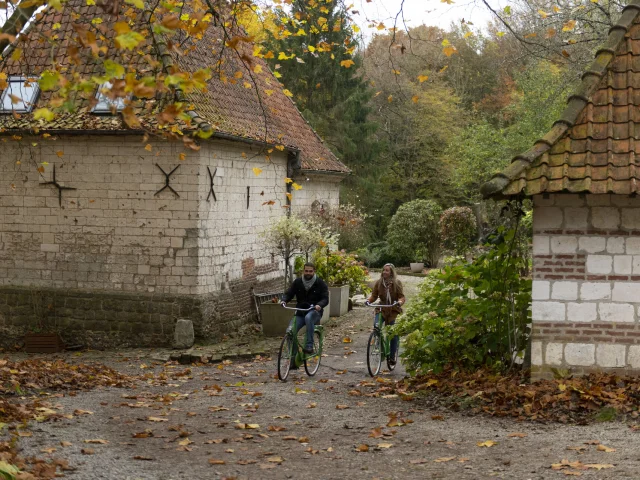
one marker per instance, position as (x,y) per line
(595,146)
(232,110)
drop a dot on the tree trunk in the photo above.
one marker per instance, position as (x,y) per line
(15,22)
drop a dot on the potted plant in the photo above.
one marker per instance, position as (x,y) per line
(41,336)
(287,236)
(344,274)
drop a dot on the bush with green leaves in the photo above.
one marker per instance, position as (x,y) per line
(339,268)
(413,232)
(458,229)
(375,255)
(468,316)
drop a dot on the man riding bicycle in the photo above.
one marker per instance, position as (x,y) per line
(389,290)
(308,290)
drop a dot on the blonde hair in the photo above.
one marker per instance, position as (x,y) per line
(392,268)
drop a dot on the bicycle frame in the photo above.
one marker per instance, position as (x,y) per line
(380,327)
(300,356)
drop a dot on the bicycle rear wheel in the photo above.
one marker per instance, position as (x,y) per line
(312,363)
(374,353)
(285,357)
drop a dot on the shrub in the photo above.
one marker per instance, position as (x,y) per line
(413,232)
(470,315)
(376,255)
(346,220)
(458,229)
(340,268)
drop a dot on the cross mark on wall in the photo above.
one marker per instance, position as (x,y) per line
(55,183)
(211,191)
(167,180)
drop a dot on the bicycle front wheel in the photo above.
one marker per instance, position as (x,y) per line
(285,357)
(312,363)
(374,353)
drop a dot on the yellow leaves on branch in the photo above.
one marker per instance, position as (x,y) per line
(287,93)
(423,78)
(256,171)
(43,113)
(347,63)
(569,26)
(126,38)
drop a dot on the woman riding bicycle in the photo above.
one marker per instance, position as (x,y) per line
(389,290)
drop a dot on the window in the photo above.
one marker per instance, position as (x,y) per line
(20,95)
(106,104)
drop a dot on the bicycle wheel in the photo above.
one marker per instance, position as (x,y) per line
(285,357)
(374,354)
(392,366)
(311,364)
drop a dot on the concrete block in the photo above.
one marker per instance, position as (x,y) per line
(570,200)
(626,292)
(616,245)
(576,218)
(622,264)
(540,290)
(606,218)
(564,244)
(610,355)
(540,201)
(564,291)
(599,200)
(579,354)
(595,291)
(582,312)
(547,218)
(592,244)
(536,353)
(631,218)
(633,356)
(541,245)
(599,264)
(616,312)
(553,354)
(633,246)
(548,311)
(635,265)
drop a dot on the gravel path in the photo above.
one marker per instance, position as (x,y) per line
(186,422)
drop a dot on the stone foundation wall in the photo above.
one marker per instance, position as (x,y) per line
(586,283)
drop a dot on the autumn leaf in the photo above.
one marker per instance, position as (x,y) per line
(342,407)
(347,340)
(362,448)
(444,459)
(517,435)
(213,461)
(487,443)
(87,451)
(60,153)
(287,93)
(277,460)
(603,448)
(97,441)
(569,26)
(256,171)
(142,457)
(423,78)
(415,99)
(385,445)
(157,419)
(296,186)
(148,147)
(347,63)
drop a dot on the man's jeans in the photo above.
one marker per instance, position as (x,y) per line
(310,320)
(395,341)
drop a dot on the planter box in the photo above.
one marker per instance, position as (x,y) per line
(275,319)
(338,300)
(417,267)
(43,343)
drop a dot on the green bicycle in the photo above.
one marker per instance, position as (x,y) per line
(379,346)
(291,352)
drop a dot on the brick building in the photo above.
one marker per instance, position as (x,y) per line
(583,178)
(90,241)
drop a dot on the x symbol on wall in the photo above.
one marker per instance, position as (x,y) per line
(167,177)
(55,183)
(211,191)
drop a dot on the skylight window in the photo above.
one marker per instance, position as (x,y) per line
(106,104)
(20,95)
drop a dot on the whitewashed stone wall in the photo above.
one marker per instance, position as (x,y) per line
(586,283)
(113,233)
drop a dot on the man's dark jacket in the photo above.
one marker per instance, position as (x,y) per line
(318,294)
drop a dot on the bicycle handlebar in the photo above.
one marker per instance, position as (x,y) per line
(284,305)
(367,304)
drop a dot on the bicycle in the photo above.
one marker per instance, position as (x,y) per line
(291,351)
(379,346)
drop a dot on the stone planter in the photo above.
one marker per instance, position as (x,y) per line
(275,319)
(416,267)
(43,343)
(338,300)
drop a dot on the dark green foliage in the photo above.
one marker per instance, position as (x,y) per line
(458,229)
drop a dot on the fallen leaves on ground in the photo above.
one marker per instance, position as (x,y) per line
(562,400)
(565,465)
(487,443)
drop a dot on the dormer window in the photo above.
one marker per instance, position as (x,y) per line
(106,104)
(20,95)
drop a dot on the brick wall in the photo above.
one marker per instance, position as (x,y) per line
(586,283)
(114,234)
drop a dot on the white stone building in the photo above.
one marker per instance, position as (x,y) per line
(583,178)
(108,255)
